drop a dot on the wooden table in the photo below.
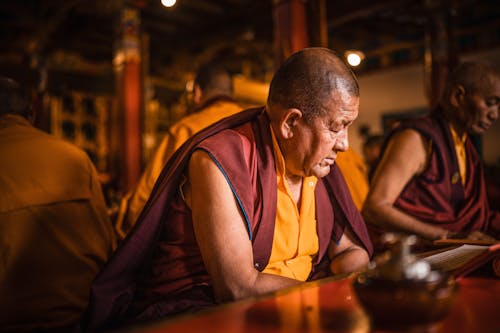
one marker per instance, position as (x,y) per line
(331,306)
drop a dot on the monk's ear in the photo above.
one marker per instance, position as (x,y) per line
(457,95)
(289,122)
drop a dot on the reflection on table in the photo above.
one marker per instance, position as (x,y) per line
(331,306)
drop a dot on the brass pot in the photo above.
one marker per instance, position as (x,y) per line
(405,303)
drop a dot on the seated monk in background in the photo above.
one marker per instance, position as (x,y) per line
(212,101)
(55,233)
(355,173)
(247,206)
(430,180)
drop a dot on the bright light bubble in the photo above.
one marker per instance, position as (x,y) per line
(353,59)
(168,3)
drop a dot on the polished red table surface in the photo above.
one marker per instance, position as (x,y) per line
(331,306)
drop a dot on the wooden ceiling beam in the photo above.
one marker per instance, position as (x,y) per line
(364,12)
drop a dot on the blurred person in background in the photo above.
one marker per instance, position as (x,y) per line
(55,233)
(371,152)
(430,179)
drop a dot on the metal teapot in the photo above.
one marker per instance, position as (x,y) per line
(398,290)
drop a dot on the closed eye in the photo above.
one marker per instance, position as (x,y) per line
(493,101)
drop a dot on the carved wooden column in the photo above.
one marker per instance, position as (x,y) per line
(298,24)
(128,67)
(290,28)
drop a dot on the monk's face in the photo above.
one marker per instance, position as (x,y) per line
(481,108)
(316,142)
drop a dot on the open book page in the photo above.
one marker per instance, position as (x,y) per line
(455,258)
(463,259)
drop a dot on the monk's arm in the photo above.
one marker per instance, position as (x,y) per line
(405,157)
(347,256)
(222,235)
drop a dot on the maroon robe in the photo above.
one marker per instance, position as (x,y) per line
(437,196)
(175,279)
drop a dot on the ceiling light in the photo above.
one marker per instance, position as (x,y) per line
(354,58)
(168,3)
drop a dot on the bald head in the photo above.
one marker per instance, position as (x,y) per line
(474,77)
(212,80)
(307,80)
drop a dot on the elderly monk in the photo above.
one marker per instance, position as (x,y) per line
(430,179)
(212,100)
(55,233)
(247,206)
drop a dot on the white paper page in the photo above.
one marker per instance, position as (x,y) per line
(452,259)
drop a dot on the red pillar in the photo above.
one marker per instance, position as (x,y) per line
(290,28)
(129,91)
